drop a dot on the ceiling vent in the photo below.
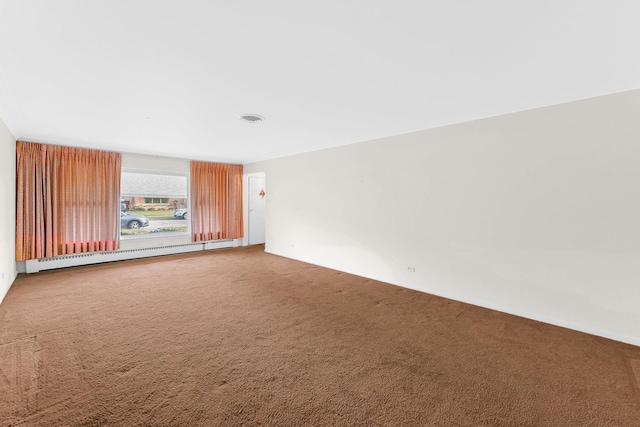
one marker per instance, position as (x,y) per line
(252,118)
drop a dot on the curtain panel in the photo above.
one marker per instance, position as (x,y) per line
(216,201)
(67,200)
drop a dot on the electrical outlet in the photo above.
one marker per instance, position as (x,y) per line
(411,269)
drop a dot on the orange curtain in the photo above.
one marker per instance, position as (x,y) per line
(216,201)
(67,200)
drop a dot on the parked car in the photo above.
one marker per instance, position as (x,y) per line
(133,221)
(180,213)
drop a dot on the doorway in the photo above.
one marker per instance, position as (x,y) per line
(257,210)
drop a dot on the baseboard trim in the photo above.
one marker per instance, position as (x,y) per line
(515,312)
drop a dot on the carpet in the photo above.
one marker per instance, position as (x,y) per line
(241,337)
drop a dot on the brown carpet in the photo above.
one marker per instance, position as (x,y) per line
(240,337)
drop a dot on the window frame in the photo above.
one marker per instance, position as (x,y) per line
(188,203)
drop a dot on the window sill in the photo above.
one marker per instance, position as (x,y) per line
(154,235)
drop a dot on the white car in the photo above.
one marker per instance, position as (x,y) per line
(180,213)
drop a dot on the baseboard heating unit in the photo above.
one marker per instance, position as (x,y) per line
(36,265)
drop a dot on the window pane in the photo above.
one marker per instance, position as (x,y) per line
(153,204)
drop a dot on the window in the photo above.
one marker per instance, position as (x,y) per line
(153,204)
(156,200)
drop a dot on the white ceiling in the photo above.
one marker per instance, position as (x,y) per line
(172,77)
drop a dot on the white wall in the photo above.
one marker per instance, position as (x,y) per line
(534,213)
(8,270)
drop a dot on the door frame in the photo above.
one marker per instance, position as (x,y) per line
(245,186)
